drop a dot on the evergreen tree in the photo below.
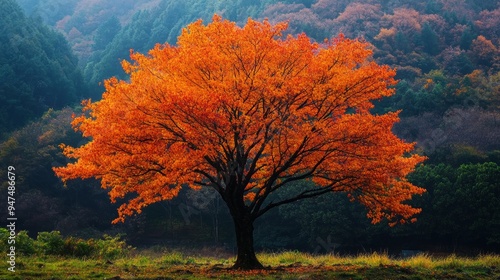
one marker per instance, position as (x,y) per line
(466,38)
(430,40)
(105,33)
(38,70)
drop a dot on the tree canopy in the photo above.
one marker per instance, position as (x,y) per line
(246,111)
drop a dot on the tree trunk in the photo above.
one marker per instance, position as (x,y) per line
(246,258)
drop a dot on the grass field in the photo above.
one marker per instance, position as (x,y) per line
(163,265)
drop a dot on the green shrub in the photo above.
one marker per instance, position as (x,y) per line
(25,244)
(78,247)
(4,239)
(111,247)
(50,243)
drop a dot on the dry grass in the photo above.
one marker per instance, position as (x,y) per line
(166,264)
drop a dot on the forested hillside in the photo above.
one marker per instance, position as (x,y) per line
(447,57)
(38,70)
(426,41)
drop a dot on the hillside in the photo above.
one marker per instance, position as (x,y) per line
(37,69)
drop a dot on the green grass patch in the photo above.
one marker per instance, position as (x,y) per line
(285,265)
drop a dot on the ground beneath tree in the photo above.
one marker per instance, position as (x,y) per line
(285,265)
(292,271)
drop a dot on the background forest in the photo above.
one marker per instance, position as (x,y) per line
(54,53)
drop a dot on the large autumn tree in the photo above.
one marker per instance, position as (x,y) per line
(246,111)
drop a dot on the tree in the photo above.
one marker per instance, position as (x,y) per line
(430,40)
(299,18)
(484,51)
(106,32)
(488,23)
(247,112)
(462,202)
(360,19)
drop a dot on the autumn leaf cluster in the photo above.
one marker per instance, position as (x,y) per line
(247,110)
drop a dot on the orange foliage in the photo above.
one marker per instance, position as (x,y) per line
(246,111)
(484,50)
(405,20)
(386,34)
(358,12)
(488,23)
(359,17)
